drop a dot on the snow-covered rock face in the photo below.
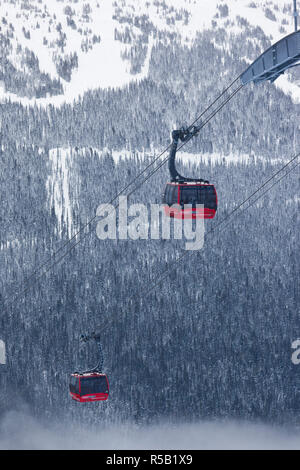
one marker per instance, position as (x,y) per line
(54,51)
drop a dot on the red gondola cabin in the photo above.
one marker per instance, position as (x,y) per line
(89,386)
(182,194)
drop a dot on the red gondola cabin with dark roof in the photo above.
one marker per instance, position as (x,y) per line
(92,386)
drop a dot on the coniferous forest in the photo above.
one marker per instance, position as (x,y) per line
(213,339)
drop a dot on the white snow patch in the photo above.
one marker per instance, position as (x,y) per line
(103,66)
(289,88)
(58,188)
(2,352)
(232,159)
(293,200)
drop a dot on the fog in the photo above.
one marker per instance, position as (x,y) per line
(18,430)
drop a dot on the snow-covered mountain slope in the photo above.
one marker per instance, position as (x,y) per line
(54,51)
